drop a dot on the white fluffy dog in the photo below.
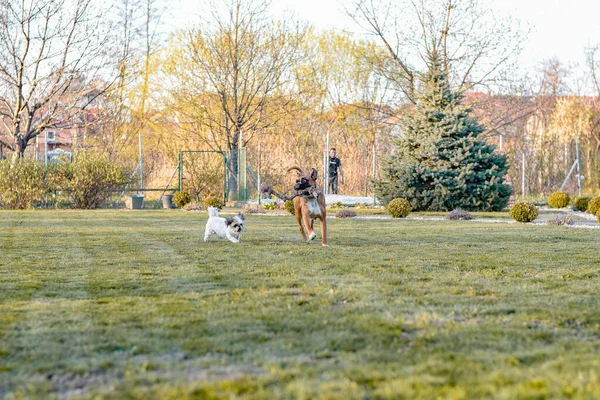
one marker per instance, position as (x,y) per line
(230,227)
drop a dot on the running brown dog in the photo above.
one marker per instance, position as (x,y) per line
(309,204)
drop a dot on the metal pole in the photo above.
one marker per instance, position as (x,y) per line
(325,175)
(141,164)
(566,156)
(168,184)
(575,166)
(46,148)
(577,161)
(179,171)
(326,166)
(127,185)
(374,171)
(568,175)
(501,141)
(239,166)
(225,194)
(242,170)
(258,179)
(523,176)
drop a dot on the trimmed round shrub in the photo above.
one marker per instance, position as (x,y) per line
(399,208)
(289,206)
(213,202)
(345,213)
(594,205)
(459,214)
(522,211)
(181,198)
(581,203)
(559,200)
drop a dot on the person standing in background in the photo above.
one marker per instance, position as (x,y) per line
(335,165)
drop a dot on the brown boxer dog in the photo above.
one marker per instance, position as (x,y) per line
(309,204)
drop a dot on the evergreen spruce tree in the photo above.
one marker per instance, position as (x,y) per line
(440,163)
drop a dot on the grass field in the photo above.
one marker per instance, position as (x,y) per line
(131,304)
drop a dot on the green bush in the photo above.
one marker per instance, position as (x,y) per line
(524,212)
(271,205)
(90,178)
(22,183)
(559,200)
(594,205)
(399,208)
(598,216)
(213,202)
(181,198)
(289,206)
(581,203)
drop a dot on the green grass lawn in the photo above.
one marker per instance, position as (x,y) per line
(132,304)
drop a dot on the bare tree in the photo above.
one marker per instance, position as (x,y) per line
(593,63)
(236,74)
(474,44)
(52,52)
(554,78)
(138,39)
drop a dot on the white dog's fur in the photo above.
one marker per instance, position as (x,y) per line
(229,228)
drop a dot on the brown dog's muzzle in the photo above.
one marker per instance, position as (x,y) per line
(302,184)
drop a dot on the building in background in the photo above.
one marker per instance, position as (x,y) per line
(61,141)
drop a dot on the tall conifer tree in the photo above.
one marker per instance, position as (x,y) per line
(440,163)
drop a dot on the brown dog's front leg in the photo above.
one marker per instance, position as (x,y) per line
(323,231)
(299,219)
(308,224)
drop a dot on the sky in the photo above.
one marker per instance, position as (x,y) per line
(558,28)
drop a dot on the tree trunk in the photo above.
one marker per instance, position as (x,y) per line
(21,146)
(232,169)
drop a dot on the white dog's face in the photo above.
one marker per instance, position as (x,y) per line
(229,228)
(235,224)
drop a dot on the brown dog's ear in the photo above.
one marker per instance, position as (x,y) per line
(313,174)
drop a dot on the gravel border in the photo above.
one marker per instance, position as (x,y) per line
(539,222)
